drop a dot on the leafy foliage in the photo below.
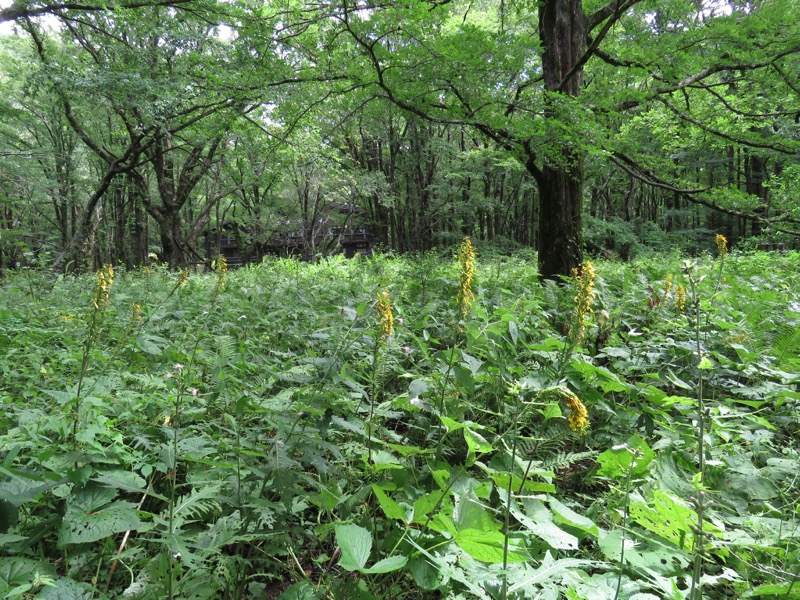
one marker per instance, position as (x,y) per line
(268,439)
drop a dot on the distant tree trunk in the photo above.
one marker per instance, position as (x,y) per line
(562,31)
(755,175)
(138,225)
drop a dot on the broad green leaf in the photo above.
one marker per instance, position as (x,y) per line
(150,344)
(355,543)
(10,538)
(631,459)
(424,505)
(383,461)
(486,546)
(68,589)
(425,574)
(669,518)
(465,378)
(536,518)
(550,570)
(566,516)
(90,516)
(303,590)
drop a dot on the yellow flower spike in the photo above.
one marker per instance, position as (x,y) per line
(578,417)
(221,267)
(102,287)
(722,245)
(680,298)
(465,296)
(136,312)
(667,285)
(385,316)
(584,297)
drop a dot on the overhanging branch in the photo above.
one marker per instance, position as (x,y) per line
(695,196)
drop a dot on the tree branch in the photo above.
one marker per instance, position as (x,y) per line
(640,173)
(726,136)
(16,12)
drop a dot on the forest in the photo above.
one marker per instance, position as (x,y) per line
(165,128)
(406,299)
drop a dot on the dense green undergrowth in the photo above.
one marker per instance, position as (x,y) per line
(267,432)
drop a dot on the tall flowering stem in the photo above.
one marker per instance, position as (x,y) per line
(221,269)
(583,280)
(385,316)
(465,296)
(722,245)
(722,252)
(700,502)
(101,294)
(385,329)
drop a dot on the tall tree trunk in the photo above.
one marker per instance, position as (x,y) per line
(562,31)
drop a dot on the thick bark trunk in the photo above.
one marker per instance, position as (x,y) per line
(560,238)
(171,236)
(562,31)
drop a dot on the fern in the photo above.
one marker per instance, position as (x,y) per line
(549,440)
(565,460)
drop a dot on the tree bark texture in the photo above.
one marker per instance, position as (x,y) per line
(562,31)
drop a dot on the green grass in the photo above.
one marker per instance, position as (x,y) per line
(261,438)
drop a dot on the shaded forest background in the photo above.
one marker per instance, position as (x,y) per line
(150,129)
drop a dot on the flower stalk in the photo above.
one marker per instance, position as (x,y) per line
(465,296)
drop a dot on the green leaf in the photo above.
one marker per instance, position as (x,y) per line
(383,461)
(303,590)
(566,516)
(669,518)
(391,509)
(15,572)
(68,589)
(476,443)
(537,519)
(486,546)
(387,565)
(450,424)
(150,344)
(355,543)
(787,589)
(549,570)
(9,516)
(705,363)
(89,516)
(423,506)
(630,459)
(465,378)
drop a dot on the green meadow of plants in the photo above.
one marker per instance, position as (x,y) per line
(442,426)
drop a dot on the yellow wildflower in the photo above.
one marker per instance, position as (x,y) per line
(578,417)
(680,298)
(584,296)
(183,278)
(722,245)
(385,316)
(136,312)
(221,267)
(667,285)
(102,287)
(465,296)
